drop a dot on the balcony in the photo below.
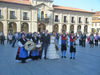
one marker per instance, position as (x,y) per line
(44,20)
(56,20)
(80,22)
(87,22)
(65,21)
(13,17)
(72,21)
(25,18)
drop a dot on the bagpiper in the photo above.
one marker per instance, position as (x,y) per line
(63,44)
(72,45)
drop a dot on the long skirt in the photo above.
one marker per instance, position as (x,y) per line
(21,53)
(52,52)
(34,54)
(91,42)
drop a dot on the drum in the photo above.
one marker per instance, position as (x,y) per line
(29,45)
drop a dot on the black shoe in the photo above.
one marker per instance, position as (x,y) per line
(70,57)
(64,56)
(23,61)
(45,58)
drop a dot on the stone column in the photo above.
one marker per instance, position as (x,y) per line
(49,28)
(75,28)
(30,27)
(68,28)
(34,27)
(82,28)
(89,29)
(19,26)
(60,28)
(5,28)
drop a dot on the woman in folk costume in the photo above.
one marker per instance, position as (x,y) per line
(52,52)
(34,54)
(22,54)
(91,40)
(63,44)
(72,45)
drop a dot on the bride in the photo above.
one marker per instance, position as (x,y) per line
(52,52)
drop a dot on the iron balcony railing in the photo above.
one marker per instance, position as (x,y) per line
(45,20)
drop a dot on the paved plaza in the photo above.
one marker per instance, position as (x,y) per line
(87,62)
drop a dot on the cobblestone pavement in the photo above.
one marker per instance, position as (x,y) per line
(87,62)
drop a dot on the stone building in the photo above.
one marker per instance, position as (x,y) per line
(40,15)
(96,22)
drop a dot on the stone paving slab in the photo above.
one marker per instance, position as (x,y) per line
(87,62)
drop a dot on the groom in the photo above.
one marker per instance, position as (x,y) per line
(45,39)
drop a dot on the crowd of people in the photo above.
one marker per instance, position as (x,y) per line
(50,44)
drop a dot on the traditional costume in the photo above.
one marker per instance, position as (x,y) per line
(63,45)
(22,54)
(91,40)
(34,54)
(72,46)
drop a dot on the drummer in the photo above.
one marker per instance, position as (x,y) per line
(22,54)
(34,54)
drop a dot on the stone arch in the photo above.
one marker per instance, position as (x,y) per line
(85,29)
(79,29)
(1,27)
(64,28)
(41,27)
(72,28)
(12,27)
(56,28)
(25,27)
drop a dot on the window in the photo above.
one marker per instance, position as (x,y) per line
(86,20)
(12,14)
(56,18)
(42,14)
(0,13)
(25,14)
(73,20)
(95,24)
(65,19)
(92,24)
(80,20)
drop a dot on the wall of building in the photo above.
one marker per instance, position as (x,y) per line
(32,15)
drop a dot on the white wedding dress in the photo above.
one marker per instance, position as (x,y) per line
(51,52)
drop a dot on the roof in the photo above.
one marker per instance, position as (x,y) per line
(71,9)
(97,13)
(26,2)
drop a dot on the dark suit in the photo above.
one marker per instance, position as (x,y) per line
(45,39)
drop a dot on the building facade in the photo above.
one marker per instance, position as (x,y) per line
(96,23)
(40,15)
